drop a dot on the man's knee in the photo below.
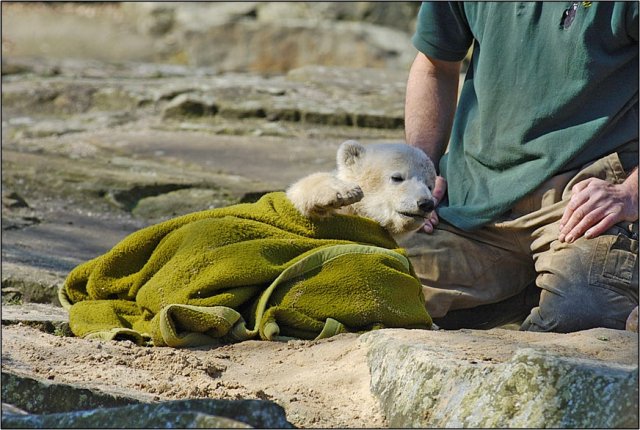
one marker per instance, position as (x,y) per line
(579,309)
(590,283)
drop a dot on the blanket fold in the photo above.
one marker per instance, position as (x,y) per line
(248,271)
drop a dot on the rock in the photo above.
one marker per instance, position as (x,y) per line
(48,318)
(19,222)
(199,16)
(181,202)
(87,68)
(161,18)
(334,96)
(35,283)
(187,106)
(11,199)
(203,413)
(118,418)
(38,396)
(398,15)
(32,286)
(460,378)
(152,18)
(282,46)
(52,128)
(446,379)
(53,405)
(13,69)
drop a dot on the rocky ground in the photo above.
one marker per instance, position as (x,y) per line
(93,150)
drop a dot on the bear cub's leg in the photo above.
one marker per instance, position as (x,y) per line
(320,194)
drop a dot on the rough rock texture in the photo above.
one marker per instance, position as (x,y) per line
(38,396)
(122,418)
(92,410)
(312,95)
(525,380)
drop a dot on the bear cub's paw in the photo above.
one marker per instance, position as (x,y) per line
(320,194)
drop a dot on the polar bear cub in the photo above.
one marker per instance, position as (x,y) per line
(390,183)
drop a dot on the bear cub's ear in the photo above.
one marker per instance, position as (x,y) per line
(349,152)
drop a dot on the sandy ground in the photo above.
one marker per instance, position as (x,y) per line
(319,383)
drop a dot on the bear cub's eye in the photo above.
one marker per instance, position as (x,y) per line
(397,177)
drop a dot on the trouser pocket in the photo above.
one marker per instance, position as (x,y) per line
(614,264)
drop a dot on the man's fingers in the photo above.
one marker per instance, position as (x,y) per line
(440,188)
(430,222)
(434,218)
(427,227)
(594,207)
(605,224)
(578,197)
(582,221)
(581,185)
(574,212)
(438,192)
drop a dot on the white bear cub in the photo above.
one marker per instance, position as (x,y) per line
(390,183)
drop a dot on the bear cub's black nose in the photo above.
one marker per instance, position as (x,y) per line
(426,205)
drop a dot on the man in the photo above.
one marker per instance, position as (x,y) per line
(539,187)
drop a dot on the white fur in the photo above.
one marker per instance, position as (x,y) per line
(383,182)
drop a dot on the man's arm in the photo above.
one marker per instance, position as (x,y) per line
(597,205)
(432,93)
(430,104)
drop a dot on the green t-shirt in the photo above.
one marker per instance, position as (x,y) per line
(538,98)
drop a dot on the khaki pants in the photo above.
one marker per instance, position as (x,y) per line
(488,277)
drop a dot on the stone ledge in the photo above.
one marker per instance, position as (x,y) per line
(422,381)
(47,318)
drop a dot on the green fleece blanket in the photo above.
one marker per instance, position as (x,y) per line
(248,271)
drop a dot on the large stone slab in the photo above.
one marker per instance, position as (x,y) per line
(54,405)
(501,378)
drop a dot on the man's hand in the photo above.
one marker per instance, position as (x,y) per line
(597,205)
(439,191)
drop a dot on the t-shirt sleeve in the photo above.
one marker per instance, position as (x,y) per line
(442,31)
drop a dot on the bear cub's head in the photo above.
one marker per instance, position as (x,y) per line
(396,179)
